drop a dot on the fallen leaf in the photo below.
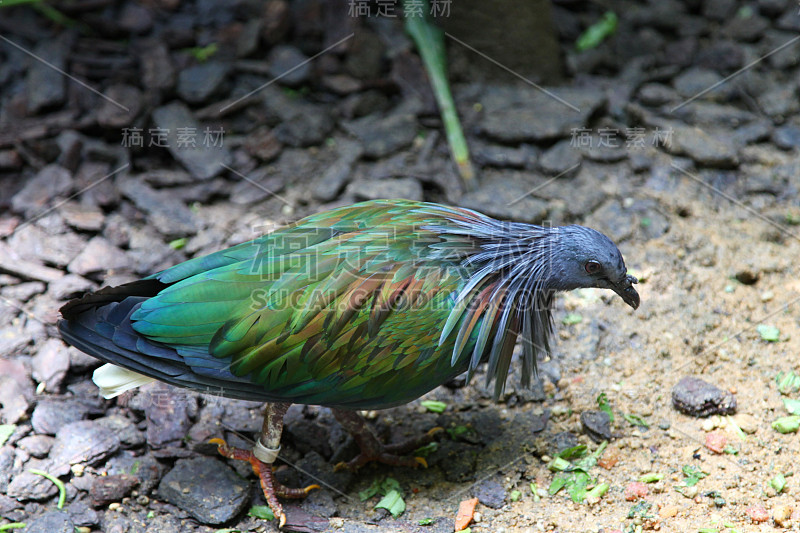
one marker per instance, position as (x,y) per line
(466,509)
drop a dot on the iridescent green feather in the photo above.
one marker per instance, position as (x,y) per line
(353,306)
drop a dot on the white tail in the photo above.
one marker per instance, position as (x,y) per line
(114,380)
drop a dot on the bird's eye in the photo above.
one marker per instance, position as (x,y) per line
(592,267)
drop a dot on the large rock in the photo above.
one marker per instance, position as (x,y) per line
(51,522)
(381,136)
(50,364)
(98,256)
(50,182)
(506,198)
(206,488)
(168,214)
(198,83)
(45,84)
(203,161)
(704,147)
(370,189)
(521,36)
(522,115)
(83,442)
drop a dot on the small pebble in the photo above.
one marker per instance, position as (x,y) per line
(747,423)
(695,397)
(709,424)
(782,514)
(716,442)
(757,513)
(668,511)
(635,491)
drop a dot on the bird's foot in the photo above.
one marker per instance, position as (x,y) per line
(373,450)
(264,471)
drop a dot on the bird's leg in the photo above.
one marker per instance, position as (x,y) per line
(263,455)
(373,450)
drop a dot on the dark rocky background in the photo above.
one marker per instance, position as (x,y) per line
(678,137)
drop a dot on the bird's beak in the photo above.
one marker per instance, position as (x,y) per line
(626,291)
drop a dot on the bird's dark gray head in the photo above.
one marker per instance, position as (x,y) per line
(513,270)
(582,257)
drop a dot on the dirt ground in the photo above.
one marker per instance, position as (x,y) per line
(683,149)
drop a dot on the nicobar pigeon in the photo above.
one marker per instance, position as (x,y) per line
(362,307)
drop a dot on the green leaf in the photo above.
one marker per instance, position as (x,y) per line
(434,406)
(574,477)
(651,478)
(788,382)
(203,53)
(381,487)
(6,430)
(793,406)
(177,244)
(693,475)
(778,483)
(598,491)
(573,453)
(636,420)
(370,491)
(730,450)
(602,404)
(392,502)
(560,480)
(535,491)
(425,521)
(458,432)
(515,495)
(389,484)
(787,424)
(559,465)
(13,525)
(571,318)
(576,487)
(768,333)
(261,511)
(425,451)
(597,32)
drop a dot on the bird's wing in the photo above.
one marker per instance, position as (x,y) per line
(347,304)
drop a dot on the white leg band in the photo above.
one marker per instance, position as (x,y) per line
(264,454)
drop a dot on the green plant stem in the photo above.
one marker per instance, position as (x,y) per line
(430,43)
(62,490)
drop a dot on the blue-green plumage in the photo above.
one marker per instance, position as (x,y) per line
(367,306)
